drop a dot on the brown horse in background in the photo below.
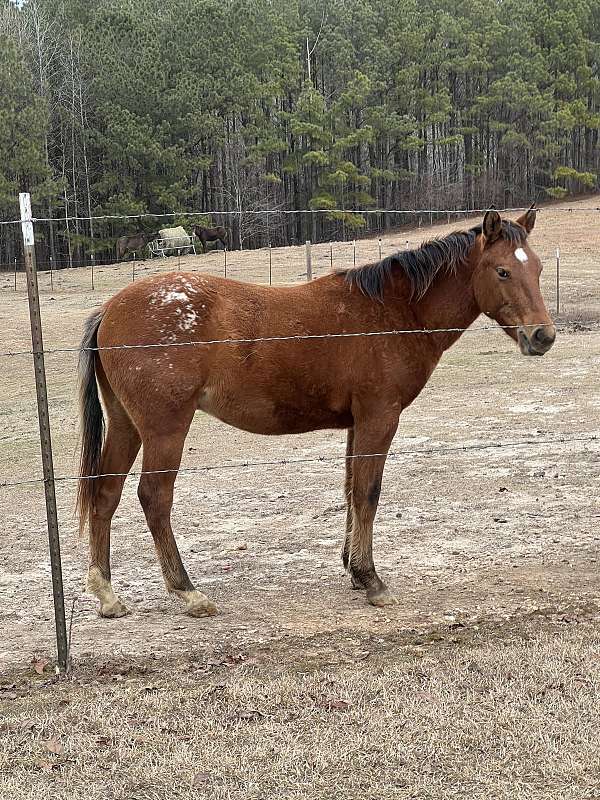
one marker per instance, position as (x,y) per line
(361,384)
(218,234)
(133,243)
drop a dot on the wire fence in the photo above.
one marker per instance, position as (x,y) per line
(565,286)
(49,480)
(306,211)
(265,339)
(283,462)
(276,266)
(423,216)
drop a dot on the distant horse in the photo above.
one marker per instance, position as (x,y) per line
(218,234)
(358,383)
(133,243)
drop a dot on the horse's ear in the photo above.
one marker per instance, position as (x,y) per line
(527,220)
(492,226)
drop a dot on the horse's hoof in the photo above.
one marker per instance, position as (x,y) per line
(114,610)
(201,608)
(382,598)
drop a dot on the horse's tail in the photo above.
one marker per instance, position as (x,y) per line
(91,419)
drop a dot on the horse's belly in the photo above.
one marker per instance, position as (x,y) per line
(265,416)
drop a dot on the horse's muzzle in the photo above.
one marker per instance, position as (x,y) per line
(536,341)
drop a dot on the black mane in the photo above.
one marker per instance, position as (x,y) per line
(421,266)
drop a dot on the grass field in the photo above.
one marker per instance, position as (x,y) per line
(482,683)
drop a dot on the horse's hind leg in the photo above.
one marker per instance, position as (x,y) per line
(349,509)
(118,454)
(162,457)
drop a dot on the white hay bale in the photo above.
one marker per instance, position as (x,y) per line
(175,238)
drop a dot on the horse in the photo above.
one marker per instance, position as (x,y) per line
(218,234)
(294,360)
(133,243)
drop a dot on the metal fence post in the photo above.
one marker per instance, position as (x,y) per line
(92,258)
(270,265)
(558,280)
(380,248)
(15,274)
(308,261)
(44,424)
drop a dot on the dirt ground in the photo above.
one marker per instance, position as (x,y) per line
(495,549)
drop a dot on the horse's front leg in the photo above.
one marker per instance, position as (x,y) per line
(372,438)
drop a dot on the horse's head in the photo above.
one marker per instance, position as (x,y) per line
(506,283)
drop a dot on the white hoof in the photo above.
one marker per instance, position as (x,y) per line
(197,604)
(110,605)
(113,611)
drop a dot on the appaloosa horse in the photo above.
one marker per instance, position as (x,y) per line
(133,243)
(218,234)
(296,385)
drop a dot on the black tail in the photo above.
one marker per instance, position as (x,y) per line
(91,419)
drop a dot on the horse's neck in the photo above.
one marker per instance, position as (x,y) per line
(449,304)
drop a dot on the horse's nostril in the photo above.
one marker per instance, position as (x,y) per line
(544,336)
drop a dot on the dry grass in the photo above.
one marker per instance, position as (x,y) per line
(510,716)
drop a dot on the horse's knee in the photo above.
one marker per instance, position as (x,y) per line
(145,494)
(155,501)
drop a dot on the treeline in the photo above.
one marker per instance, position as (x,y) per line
(130,106)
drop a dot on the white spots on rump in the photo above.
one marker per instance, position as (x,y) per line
(521,255)
(187,318)
(172,296)
(179,293)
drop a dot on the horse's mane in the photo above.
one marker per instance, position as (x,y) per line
(422,265)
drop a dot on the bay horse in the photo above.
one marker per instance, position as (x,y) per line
(361,384)
(218,234)
(133,243)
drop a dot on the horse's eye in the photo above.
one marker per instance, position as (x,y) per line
(503,273)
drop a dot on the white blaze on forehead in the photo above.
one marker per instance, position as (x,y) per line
(521,255)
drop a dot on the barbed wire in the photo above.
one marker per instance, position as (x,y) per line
(291,337)
(310,460)
(276,212)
